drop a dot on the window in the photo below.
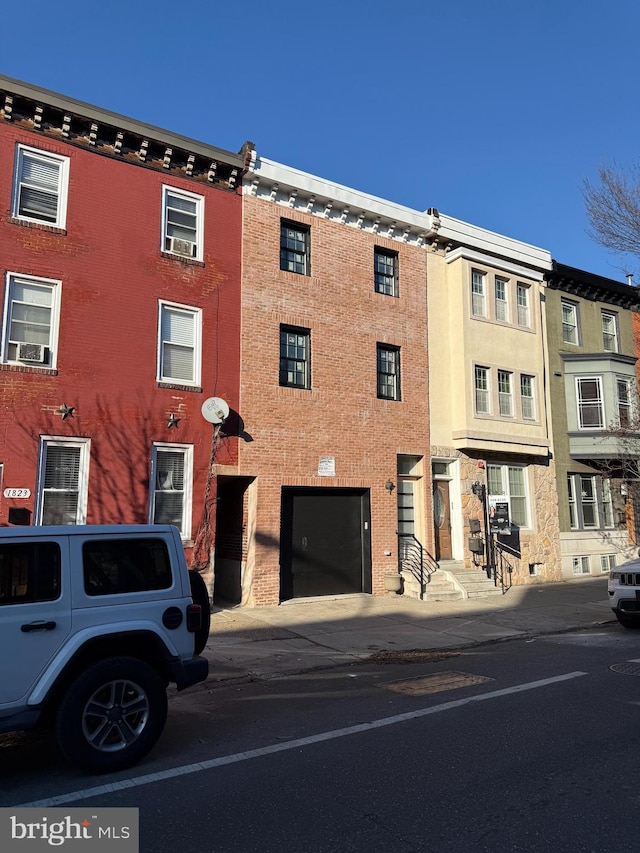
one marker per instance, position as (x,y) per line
(388,367)
(40,187)
(170,496)
(609,331)
(590,502)
(527,400)
(522,298)
(179,336)
(569,322)
(505,394)
(590,405)
(501,299)
(623,392)
(481,377)
(295,247)
(295,367)
(478,306)
(385,271)
(115,566)
(63,481)
(182,223)
(30,328)
(580,565)
(511,481)
(607,562)
(29,572)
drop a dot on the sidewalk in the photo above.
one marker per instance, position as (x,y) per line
(305,634)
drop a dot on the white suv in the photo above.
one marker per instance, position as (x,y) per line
(95,622)
(624,593)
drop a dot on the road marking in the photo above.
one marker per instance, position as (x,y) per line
(212,763)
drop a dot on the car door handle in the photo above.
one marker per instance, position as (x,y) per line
(38,626)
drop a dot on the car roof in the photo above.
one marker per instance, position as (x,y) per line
(82,530)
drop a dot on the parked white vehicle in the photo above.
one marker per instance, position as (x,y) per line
(95,622)
(624,593)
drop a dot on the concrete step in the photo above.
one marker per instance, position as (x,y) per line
(474,582)
(437,587)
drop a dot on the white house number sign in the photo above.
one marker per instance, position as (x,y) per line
(17,493)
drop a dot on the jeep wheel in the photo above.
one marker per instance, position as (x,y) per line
(111,715)
(200,595)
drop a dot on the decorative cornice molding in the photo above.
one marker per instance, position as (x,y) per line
(109,134)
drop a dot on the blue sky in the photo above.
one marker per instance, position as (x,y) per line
(493,111)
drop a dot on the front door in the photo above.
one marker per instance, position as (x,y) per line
(442,519)
(325,542)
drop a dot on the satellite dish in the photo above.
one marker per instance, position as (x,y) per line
(215,410)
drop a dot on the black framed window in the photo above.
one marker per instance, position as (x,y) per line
(295,240)
(385,271)
(388,367)
(295,357)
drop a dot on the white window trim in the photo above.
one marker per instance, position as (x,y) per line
(483,296)
(578,562)
(521,287)
(199,201)
(83,479)
(197,343)
(187,505)
(505,301)
(532,398)
(504,475)
(576,317)
(56,297)
(598,380)
(505,396)
(487,391)
(63,185)
(615,338)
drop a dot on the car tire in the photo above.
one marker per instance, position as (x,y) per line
(200,595)
(111,715)
(628,621)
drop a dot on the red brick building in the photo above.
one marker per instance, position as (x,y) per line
(120,268)
(334,455)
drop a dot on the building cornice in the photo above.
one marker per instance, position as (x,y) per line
(596,288)
(493,261)
(83,125)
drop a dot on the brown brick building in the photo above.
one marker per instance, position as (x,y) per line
(334,457)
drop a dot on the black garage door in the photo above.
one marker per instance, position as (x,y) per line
(325,542)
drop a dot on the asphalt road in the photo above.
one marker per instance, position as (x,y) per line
(517,746)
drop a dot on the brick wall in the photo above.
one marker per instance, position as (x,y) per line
(113,274)
(340,415)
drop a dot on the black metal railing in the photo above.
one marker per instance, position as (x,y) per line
(504,562)
(413,558)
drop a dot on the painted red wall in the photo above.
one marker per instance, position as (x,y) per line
(113,274)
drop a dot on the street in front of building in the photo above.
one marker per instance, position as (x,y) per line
(494,747)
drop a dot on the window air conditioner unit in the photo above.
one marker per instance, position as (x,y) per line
(31,352)
(182,247)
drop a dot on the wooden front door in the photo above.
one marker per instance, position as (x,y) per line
(442,519)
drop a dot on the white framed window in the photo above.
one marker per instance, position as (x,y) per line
(40,187)
(609,331)
(590,402)
(179,343)
(182,223)
(502,299)
(30,320)
(63,480)
(580,565)
(481,384)
(522,299)
(511,480)
(505,393)
(478,294)
(527,397)
(607,562)
(570,331)
(170,494)
(590,502)
(623,395)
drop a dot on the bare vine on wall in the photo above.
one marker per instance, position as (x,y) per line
(201,560)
